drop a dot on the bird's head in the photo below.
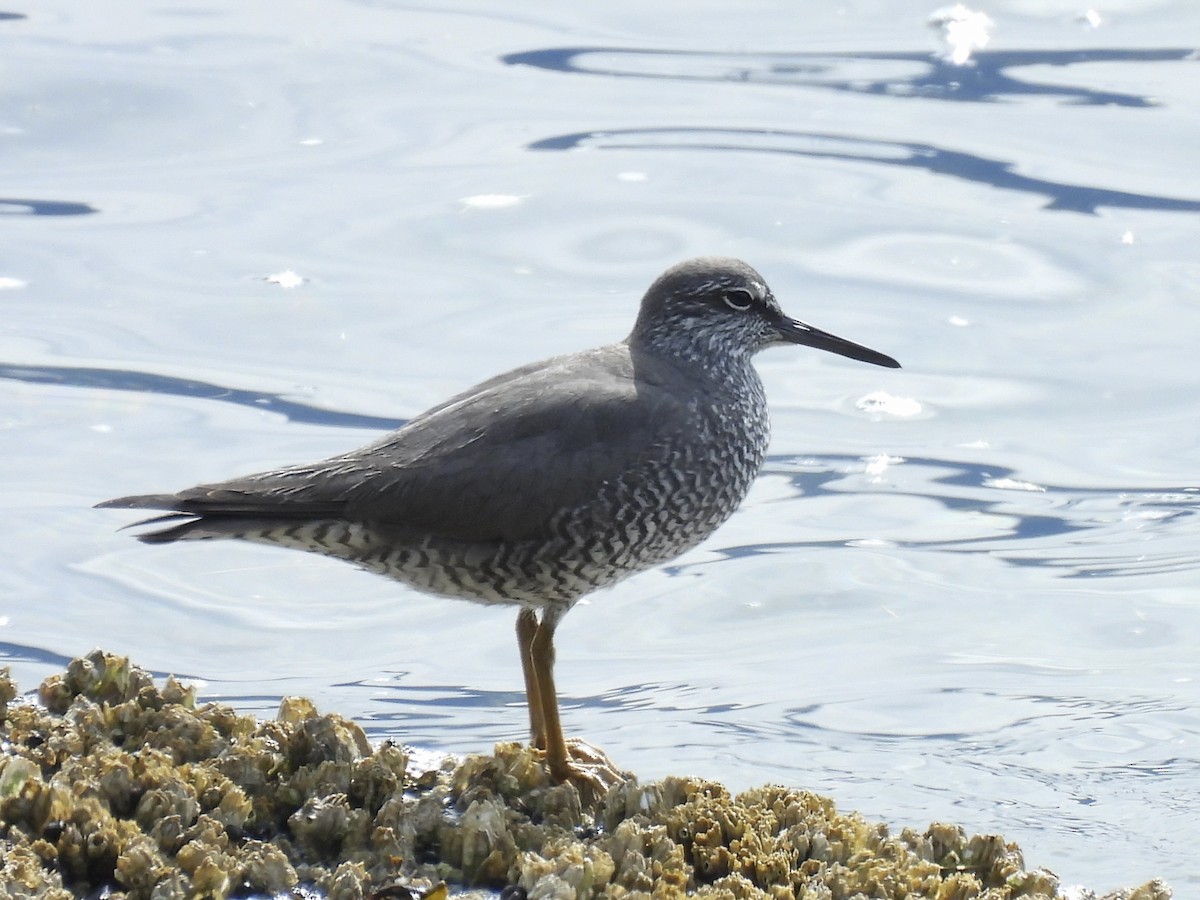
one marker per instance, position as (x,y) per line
(723,306)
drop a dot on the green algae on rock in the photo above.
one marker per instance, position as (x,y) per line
(115,784)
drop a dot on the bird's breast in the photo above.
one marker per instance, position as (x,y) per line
(679,492)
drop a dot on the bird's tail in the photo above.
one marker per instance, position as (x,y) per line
(186,523)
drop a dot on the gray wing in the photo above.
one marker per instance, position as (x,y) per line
(493,463)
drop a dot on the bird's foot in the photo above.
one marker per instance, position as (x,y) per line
(586,767)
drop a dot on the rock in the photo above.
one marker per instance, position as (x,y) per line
(116,785)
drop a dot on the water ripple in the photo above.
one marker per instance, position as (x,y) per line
(936,160)
(1075,530)
(898,74)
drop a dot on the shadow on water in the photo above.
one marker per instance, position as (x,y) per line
(987,78)
(847,148)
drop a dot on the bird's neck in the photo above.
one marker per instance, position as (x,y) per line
(700,357)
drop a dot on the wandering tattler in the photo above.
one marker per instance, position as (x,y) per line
(547,482)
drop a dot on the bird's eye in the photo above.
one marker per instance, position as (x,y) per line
(739,299)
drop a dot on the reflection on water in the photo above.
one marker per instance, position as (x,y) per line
(57,662)
(10,652)
(987,79)
(847,148)
(1078,531)
(1072,528)
(170,386)
(927,76)
(11,206)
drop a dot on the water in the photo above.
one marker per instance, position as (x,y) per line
(965,590)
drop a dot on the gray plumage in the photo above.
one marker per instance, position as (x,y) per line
(544,483)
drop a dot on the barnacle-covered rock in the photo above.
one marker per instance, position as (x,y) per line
(18,776)
(8,692)
(265,869)
(378,777)
(115,785)
(24,874)
(140,866)
(1151,890)
(325,826)
(565,864)
(316,738)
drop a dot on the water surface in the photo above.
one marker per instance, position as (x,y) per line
(964,590)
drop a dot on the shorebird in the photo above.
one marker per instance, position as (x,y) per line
(545,483)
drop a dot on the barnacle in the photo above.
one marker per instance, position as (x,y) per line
(115,783)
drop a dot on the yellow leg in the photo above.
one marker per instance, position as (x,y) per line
(527,626)
(541,658)
(573,760)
